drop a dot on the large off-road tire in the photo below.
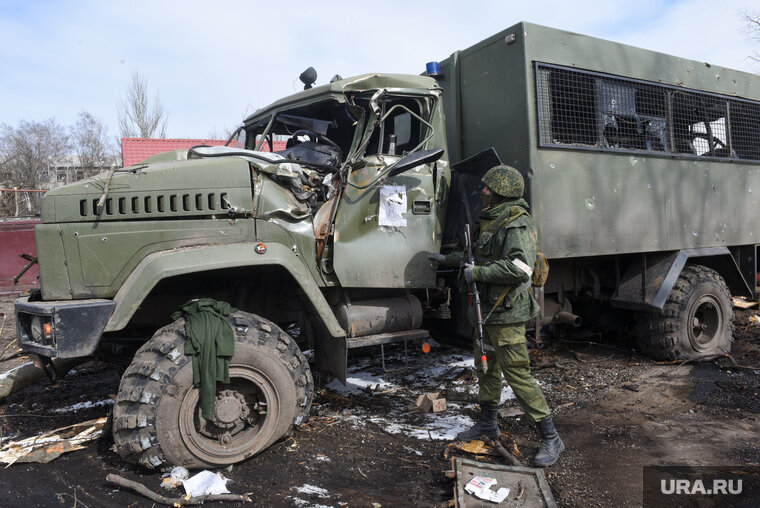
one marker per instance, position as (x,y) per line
(156,417)
(696,321)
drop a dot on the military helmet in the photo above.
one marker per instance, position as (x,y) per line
(505,181)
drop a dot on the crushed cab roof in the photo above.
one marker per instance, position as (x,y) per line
(361,83)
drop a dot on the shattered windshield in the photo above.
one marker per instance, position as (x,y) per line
(320,133)
(332,131)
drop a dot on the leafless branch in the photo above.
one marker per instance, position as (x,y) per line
(752,27)
(177,501)
(137,117)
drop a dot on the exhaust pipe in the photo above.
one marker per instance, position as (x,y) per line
(559,313)
(567,318)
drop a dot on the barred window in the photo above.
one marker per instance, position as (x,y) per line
(580,109)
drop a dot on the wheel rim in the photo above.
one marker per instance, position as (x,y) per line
(245,412)
(705,322)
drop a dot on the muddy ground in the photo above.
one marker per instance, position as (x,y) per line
(617,411)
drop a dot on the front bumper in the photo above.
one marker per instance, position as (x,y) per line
(61,329)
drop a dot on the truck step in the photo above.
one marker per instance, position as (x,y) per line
(386,338)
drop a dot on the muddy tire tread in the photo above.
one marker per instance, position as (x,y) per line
(149,378)
(658,334)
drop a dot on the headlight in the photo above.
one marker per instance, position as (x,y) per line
(37,329)
(42,330)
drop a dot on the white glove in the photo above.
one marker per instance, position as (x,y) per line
(436,258)
(468,272)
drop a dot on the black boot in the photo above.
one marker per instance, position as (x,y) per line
(551,444)
(486,426)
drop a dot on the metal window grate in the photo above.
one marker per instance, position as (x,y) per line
(587,110)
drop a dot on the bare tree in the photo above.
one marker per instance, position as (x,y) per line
(137,116)
(91,144)
(752,25)
(30,153)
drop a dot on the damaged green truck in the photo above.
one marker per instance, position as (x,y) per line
(642,171)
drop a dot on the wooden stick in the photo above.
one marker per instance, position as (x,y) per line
(503,452)
(177,501)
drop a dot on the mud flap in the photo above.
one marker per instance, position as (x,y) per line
(330,355)
(648,280)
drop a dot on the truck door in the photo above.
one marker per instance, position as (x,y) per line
(386,226)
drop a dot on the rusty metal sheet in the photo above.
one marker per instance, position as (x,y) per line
(17,237)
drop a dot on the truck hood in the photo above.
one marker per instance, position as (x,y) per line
(174,187)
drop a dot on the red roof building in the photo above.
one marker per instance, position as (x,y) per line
(135,150)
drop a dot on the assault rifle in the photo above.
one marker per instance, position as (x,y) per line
(475,300)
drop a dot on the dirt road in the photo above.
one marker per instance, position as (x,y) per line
(363,446)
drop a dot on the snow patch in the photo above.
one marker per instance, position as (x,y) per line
(297,501)
(358,381)
(312,490)
(84,405)
(436,427)
(438,369)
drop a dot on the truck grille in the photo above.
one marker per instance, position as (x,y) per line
(124,207)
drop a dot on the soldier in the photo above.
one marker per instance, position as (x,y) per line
(505,253)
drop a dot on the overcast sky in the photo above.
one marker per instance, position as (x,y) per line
(213,63)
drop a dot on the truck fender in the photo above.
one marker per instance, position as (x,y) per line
(169,263)
(648,281)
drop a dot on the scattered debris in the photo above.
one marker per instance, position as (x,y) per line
(52,444)
(13,353)
(431,401)
(476,447)
(480,487)
(510,412)
(741,302)
(312,490)
(174,479)
(412,450)
(206,483)
(178,501)
(511,458)
(754,319)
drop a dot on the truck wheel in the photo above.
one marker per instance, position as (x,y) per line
(157,419)
(696,321)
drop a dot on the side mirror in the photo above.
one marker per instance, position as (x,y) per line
(415,159)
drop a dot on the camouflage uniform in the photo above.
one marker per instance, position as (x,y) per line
(505,254)
(502,254)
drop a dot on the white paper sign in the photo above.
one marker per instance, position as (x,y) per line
(392,206)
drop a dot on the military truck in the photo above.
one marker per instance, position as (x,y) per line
(639,168)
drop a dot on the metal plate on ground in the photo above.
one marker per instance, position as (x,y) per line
(527,484)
